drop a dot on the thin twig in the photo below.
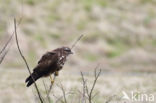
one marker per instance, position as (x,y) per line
(45,87)
(96,77)
(51,85)
(35,96)
(89,93)
(57,98)
(38,92)
(6,44)
(82,93)
(84,89)
(60,97)
(63,92)
(110,98)
(76,41)
(95,95)
(3,52)
(10,39)
(3,55)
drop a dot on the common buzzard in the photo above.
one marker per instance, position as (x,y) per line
(51,62)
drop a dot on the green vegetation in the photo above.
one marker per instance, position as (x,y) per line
(81,25)
(14,64)
(148,1)
(90,57)
(55,36)
(34,2)
(88,4)
(31,2)
(118,47)
(154,42)
(40,38)
(102,3)
(52,18)
(32,56)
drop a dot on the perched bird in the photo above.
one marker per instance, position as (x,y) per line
(51,62)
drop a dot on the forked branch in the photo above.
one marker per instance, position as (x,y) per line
(17,43)
(85,86)
(3,51)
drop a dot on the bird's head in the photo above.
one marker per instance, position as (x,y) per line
(67,50)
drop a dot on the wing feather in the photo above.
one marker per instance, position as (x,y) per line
(46,57)
(46,61)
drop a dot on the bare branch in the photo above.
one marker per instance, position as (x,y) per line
(82,93)
(10,39)
(95,95)
(2,56)
(51,85)
(76,41)
(45,87)
(6,44)
(64,93)
(84,89)
(3,52)
(58,98)
(96,77)
(95,80)
(110,98)
(89,93)
(38,92)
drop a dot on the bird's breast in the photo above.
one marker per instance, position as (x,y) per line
(61,62)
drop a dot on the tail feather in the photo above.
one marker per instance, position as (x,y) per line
(30,81)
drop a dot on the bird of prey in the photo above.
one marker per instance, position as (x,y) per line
(51,62)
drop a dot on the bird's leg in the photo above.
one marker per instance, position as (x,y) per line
(56,73)
(52,81)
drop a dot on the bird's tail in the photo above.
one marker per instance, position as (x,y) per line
(30,81)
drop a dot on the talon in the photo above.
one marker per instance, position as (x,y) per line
(52,81)
(56,73)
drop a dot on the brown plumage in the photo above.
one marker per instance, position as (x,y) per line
(49,63)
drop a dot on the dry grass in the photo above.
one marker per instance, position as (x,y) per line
(13,89)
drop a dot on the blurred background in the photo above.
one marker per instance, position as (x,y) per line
(119,35)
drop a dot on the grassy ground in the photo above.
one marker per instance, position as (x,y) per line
(109,86)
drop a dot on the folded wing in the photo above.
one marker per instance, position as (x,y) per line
(43,68)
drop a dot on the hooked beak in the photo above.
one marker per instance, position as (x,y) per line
(71,52)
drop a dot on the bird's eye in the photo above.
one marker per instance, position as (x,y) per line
(67,49)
